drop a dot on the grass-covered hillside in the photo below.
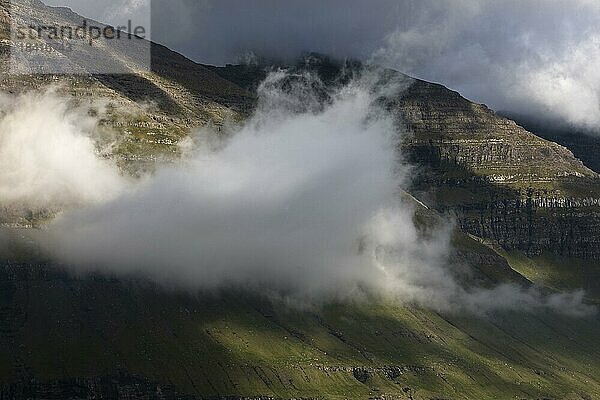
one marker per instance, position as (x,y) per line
(55,327)
(63,335)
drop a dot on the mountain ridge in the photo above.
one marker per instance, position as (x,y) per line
(64,335)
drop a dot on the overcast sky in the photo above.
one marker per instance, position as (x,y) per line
(540,57)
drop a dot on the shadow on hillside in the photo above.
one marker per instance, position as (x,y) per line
(140,90)
(231,341)
(203,83)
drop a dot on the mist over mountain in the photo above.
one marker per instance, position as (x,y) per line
(300,202)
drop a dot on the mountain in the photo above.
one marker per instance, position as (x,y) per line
(529,195)
(185,93)
(585,143)
(528,211)
(503,182)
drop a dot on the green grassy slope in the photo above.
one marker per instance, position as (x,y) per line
(54,326)
(556,273)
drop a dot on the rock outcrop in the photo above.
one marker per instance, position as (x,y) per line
(501,181)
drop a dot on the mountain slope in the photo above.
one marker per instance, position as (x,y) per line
(584,143)
(151,110)
(56,327)
(68,336)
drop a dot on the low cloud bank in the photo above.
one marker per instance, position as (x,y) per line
(300,202)
(278,204)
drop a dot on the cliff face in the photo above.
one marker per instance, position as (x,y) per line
(501,181)
(583,142)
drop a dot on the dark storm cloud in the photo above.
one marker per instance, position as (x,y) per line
(217,32)
(539,57)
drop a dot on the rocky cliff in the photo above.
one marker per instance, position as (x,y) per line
(502,182)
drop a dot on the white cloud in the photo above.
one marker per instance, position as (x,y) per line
(47,156)
(568,87)
(538,58)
